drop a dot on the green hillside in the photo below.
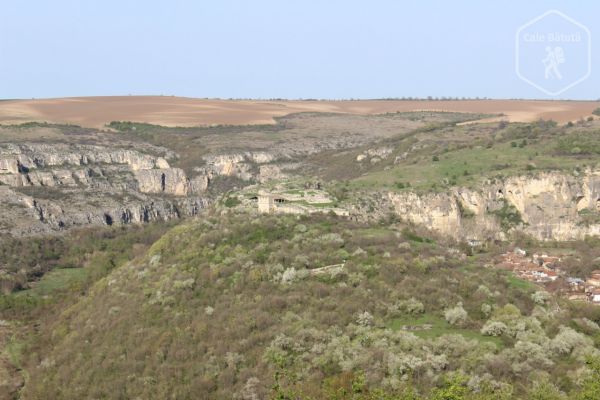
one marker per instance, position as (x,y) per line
(232,306)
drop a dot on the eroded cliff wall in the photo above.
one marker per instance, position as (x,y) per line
(547,205)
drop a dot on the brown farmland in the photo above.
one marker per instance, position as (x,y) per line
(181,111)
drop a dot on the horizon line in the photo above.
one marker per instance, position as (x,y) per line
(402,98)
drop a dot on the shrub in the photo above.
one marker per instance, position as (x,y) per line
(456,315)
(540,297)
(579,143)
(251,390)
(486,309)
(494,328)
(483,291)
(455,388)
(364,319)
(568,339)
(288,276)
(232,202)
(301,261)
(508,215)
(301,228)
(184,284)
(412,306)
(544,390)
(590,325)
(591,385)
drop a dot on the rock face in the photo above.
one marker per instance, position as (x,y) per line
(9,165)
(439,211)
(47,188)
(269,172)
(200,183)
(548,206)
(376,154)
(53,187)
(30,156)
(36,165)
(241,165)
(169,180)
(138,210)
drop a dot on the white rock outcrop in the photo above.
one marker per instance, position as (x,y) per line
(549,204)
(170,181)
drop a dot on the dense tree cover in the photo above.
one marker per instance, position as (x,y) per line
(579,143)
(230,306)
(24,260)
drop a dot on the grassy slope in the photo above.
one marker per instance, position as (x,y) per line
(292,130)
(439,327)
(204,314)
(518,149)
(55,280)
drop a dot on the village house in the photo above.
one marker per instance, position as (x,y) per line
(534,269)
(588,290)
(534,273)
(544,260)
(594,279)
(576,284)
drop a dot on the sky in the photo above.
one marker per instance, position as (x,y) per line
(334,49)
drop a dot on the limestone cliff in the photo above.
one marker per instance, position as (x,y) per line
(50,187)
(168,180)
(548,206)
(241,165)
(47,188)
(21,157)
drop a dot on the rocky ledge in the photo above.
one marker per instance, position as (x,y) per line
(53,187)
(546,205)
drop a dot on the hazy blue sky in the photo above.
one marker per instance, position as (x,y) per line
(273,48)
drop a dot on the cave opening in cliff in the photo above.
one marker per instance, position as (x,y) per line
(22,168)
(108,219)
(162,182)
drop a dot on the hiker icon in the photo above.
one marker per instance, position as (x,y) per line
(553,52)
(554,57)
